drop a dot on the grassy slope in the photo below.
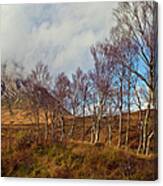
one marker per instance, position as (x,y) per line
(76,159)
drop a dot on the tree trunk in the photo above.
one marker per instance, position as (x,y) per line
(93,129)
(148,142)
(46,127)
(98,121)
(97,131)
(109,121)
(140,126)
(109,133)
(52,127)
(52,133)
(83,136)
(120,115)
(93,133)
(127,128)
(120,130)
(73,124)
(62,128)
(37,119)
(145,129)
(128,115)
(127,131)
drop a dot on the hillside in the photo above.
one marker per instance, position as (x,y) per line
(78,161)
(23,119)
(26,155)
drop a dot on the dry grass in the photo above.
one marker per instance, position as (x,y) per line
(73,158)
(77,161)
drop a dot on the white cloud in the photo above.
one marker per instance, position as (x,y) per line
(58,34)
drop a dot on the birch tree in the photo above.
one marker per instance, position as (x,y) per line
(61,92)
(101,77)
(138,20)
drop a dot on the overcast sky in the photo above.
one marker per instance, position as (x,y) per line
(59,35)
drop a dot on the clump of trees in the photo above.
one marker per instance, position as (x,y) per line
(123,79)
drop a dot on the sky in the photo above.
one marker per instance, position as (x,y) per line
(59,35)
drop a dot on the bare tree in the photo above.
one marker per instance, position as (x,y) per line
(83,91)
(61,92)
(36,84)
(128,51)
(101,86)
(112,110)
(136,20)
(138,103)
(110,52)
(74,98)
